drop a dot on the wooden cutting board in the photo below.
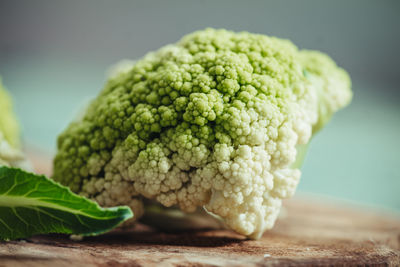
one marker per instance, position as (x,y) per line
(310,231)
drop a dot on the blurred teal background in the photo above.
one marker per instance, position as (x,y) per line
(54,55)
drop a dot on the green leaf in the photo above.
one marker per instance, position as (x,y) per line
(31,204)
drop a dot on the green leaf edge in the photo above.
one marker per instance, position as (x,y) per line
(124,212)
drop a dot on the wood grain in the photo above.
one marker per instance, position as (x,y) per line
(310,232)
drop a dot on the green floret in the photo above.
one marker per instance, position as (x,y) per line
(332,84)
(213,121)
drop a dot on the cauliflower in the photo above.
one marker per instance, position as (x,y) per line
(10,153)
(212,122)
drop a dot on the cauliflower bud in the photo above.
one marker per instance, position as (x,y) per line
(213,121)
(10,147)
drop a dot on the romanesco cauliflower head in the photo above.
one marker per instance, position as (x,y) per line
(10,154)
(212,121)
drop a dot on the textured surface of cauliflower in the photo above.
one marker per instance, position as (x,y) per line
(212,121)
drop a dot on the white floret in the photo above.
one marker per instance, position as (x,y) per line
(241,195)
(113,190)
(10,156)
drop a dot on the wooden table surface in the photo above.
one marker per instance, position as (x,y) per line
(310,231)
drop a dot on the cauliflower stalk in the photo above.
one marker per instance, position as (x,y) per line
(214,121)
(10,147)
